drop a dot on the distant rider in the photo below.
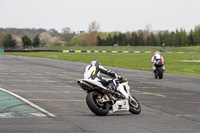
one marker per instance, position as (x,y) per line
(93,70)
(157,58)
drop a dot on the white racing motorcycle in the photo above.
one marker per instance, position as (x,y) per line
(101,103)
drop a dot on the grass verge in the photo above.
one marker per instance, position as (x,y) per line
(131,60)
(124,48)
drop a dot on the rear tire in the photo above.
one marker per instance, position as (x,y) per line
(156,74)
(160,73)
(100,109)
(135,107)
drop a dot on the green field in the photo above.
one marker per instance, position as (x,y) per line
(125,48)
(131,60)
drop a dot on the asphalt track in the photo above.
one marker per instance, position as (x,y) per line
(170,105)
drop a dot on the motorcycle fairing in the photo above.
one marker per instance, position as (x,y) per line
(120,105)
(124,89)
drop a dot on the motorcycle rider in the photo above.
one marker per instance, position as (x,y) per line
(93,70)
(157,57)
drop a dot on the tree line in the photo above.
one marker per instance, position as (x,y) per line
(13,41)
(13,38)
(147,38)
(9,42)
(94,37)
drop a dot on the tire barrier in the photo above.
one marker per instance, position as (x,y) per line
(86,51)
(28,50)
(97,51)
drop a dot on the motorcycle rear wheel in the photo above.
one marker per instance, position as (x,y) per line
(160,73)
(135,107)
(100,109)
(156,74)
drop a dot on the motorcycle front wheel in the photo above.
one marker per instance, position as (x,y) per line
(94,104)
(135,107)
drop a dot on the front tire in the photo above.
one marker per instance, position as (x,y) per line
(100,109)
(135,107)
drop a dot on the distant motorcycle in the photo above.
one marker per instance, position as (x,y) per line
(101,103)
(159,70)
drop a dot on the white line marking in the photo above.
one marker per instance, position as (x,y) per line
(139,93)
(50,81)
(40,74)
(23,85)
(22,74)
(37,114)
(179,115)
(43,91)
(70,81)
(147,87)
(60,86)
(39,91)
(76,92)
(146,82)
(38,77)
(57,100)
(35,81)
(29,103)
(38,85)
(18,80)
(3,116)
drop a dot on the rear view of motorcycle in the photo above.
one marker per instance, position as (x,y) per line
(157,63)
(159,70)
(101,103)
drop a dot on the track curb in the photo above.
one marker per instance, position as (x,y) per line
(29,103)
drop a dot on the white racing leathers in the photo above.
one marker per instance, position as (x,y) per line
(93,71)
(157,58)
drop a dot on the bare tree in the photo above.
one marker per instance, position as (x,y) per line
(148,28)
(45,39)
(52,31)
(56,41)
(91,37)
(147,32)
(18,41)
(66,30)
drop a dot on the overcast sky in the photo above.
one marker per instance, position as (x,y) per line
(112,15)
